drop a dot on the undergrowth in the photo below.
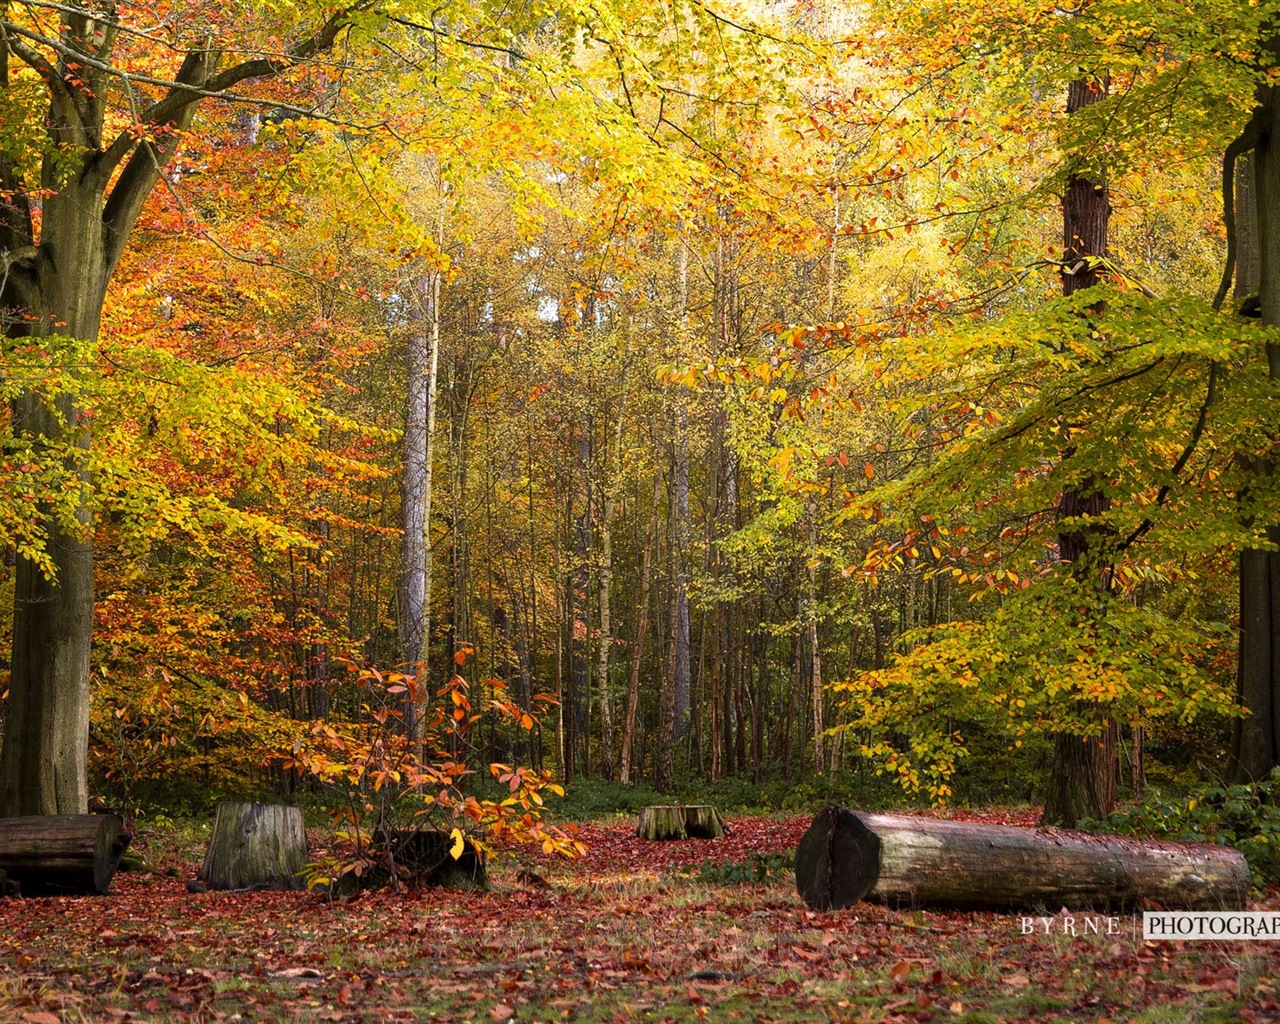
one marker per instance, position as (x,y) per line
(1245,817)
(758,869)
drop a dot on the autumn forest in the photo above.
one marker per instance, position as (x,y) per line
(776,393)
(466,424)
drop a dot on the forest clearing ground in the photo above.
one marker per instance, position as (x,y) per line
(621,936)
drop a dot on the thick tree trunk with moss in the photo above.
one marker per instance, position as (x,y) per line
(92,188)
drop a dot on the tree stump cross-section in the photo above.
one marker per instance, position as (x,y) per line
(680,821)
(849,855)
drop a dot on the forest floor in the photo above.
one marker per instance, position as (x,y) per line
(622,935)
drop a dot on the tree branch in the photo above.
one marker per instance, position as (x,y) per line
(1192,443)
(195,80)
(9,33)
(144,166)
(1247,140)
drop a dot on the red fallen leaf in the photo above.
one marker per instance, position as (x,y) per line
(899,971)
(694,997)
(502,1012)
(344,995)
(1017,980)
(42,1018)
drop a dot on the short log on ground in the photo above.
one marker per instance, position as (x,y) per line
(680,821)
(846,856)
(255,846)
(61,853)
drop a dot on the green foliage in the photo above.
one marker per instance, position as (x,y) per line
(758,869)
(1245,816)
(1058,657)
(598,798)
(586,799)
(180,743)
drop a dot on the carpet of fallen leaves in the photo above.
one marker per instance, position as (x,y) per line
(622,935)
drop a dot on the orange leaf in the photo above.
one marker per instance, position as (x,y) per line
(870,470)
(899,971)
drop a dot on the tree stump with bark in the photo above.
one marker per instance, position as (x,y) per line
(846,856)
(424,857)
(61,853)
(680,821)
(255,846)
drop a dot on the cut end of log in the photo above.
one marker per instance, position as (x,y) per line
(680,821)
(837,861)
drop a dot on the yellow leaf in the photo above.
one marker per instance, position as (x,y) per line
(455,851)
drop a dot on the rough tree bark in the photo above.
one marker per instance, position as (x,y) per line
(848,855)
(642,629)
(255,846)
(680,821)
(1256,740)
(422,362)
(1081,778)
(605,587)
(59,285)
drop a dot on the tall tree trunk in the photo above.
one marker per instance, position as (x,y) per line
(1256,739)
(642,628)
(60,285)
(605,586)
(681,674)
(94,187)
(414,593)
(815,653)
(1082,775)
(580,576)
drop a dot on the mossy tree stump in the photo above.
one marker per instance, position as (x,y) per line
(424,857)
(255,846)
(680,821)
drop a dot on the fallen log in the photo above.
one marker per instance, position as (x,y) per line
(61,853)
(255,846)
(846,856)
(680,821)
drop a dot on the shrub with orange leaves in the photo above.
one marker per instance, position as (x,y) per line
(406,763)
